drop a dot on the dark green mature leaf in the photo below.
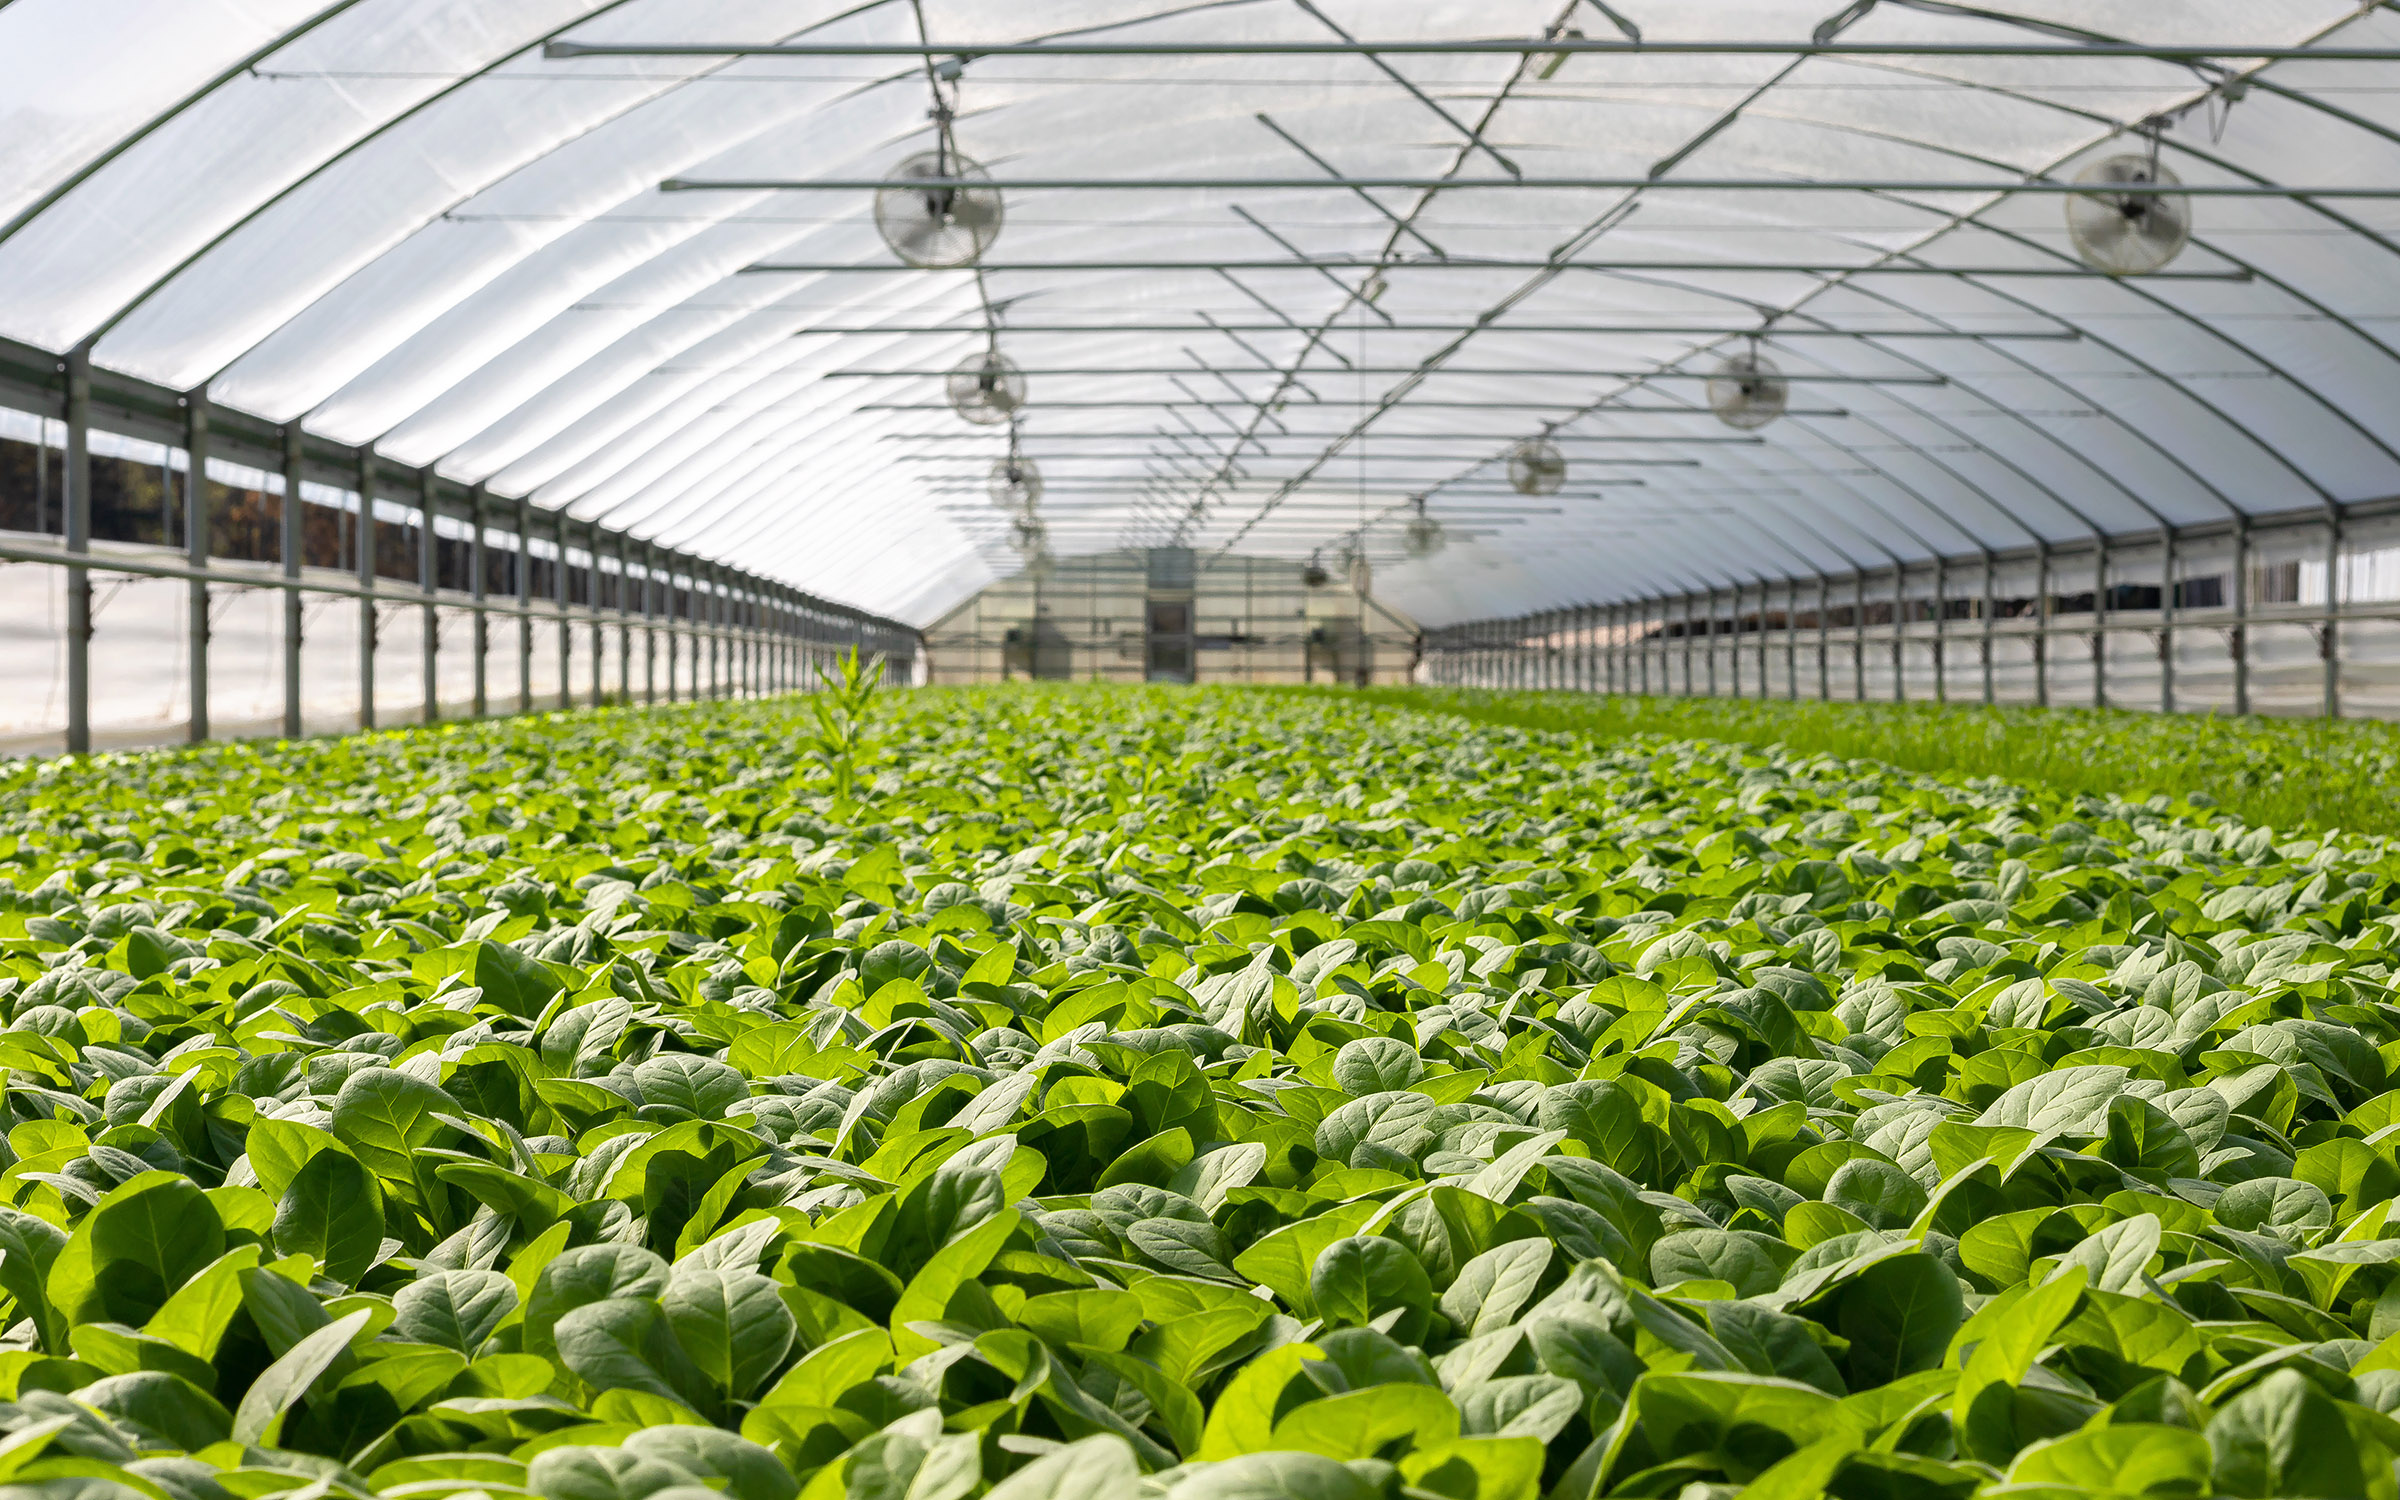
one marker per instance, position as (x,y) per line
(1899,1316)
(626,1343)
(142,1240)
(2284,1436)
(283,1384)
(732,1324)
(455,1309)
(387,1117)
(584,1275)
(333,1210)
(1356,1278)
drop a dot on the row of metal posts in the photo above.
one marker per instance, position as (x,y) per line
(748,635)
(1611,648)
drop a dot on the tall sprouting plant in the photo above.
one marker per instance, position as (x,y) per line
(844,698)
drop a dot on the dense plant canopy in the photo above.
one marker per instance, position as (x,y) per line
(2309,772)
(1202,1094)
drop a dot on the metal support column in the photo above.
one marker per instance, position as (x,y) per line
(1764,591)
(669,589)
(1644,646)
(748,607)
(76,484)
(1712,641)
(1941,630)
(1691,610)
(559,591)
(2240,641)
(1991,605)
(429,580)
(1899,634)
(2100,622)
(195,556)
(718,621)
(2041,625)
(2166,619)
(1824,639)
(591,538)
(524,605)
(1791,640)
(2329,642)
(650,605)
(366,584)
(293,544)
(478,561)
(1858,637)
(624,619)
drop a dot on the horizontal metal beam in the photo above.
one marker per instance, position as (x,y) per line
(397,591)
(1878,185)
(2068,270)
(1579,408)
(1134,493)
(1256,461)
(1475,47)
(994,436)
(1090,508)
(1527,370)
(2048,335)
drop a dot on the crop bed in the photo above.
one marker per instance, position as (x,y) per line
(2289,773)
(1213,1095)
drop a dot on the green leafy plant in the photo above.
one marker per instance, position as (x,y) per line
(2305,772)
(1182,1094)
(841,706)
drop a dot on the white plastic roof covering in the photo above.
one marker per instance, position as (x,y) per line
(398,220)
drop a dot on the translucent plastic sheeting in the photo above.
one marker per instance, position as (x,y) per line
(402,223)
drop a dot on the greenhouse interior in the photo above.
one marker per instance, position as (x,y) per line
(1199,750)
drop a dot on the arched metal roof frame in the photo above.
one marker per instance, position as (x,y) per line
(2331,504)
(786,489)
(2094,529)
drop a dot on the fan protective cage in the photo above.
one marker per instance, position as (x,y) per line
(937,228)
(1423,536)
(1016,484)
(2128,234)
(1748,392)
(1536,467)
(987,390)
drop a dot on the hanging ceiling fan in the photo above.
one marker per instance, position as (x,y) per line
(2129,233)
(987,389)
(939,227)
(1536,467)
(1016,485)
(1423,534)
(1029,536)
(1748,391)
